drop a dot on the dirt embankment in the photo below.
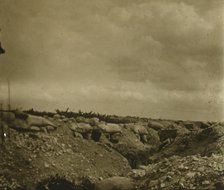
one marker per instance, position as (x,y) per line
(57,152)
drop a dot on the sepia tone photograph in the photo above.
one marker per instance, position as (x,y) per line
(111,94)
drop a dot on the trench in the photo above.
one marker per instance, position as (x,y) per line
(59,183)
(96,134)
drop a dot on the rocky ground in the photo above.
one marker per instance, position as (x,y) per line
(58,152)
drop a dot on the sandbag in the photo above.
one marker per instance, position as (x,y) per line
(110,128)
(20,124)
(155,125)
(8,116)
(81,127)
(38,121)
(137,128)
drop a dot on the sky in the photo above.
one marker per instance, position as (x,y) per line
(150,58)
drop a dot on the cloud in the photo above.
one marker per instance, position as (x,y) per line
(183,50)
(138,57)
(168,22)
(100,92)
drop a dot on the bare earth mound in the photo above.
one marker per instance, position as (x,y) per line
(60,152)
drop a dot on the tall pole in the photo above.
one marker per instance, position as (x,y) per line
(2,51)
(9,94)
(9,104)
(2,130)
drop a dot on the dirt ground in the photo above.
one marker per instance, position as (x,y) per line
(154,154)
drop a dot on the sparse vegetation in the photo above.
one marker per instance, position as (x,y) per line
(91,114)
(85,151)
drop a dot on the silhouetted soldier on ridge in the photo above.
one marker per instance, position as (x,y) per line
(1,49)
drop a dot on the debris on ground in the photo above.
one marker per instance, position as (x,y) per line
(38,152)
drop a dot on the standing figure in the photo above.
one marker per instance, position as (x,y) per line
(2,51)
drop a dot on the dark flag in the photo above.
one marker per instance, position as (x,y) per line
(1,49)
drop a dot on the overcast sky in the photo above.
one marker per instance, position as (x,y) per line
(153,58)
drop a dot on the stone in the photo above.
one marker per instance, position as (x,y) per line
(195,158)
(190,174)
(116,182)
(46,165)
(72,119)
(143,167)
(73,126)
(153,183)
(162,185)
(65,120)
(168,178)
(181,167)
(56,116)
(206,182)
(201,169)
(137,173)
(35,128)
(43,129)
(63,117)
(78,135)
(49,128)
(192,186)
(181,185)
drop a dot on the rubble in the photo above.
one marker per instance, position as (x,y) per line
(158,154)
(190,172)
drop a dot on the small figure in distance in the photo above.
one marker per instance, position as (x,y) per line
(2,51)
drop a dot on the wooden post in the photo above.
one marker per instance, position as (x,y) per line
(2,130)
(9,105)
(9,95)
